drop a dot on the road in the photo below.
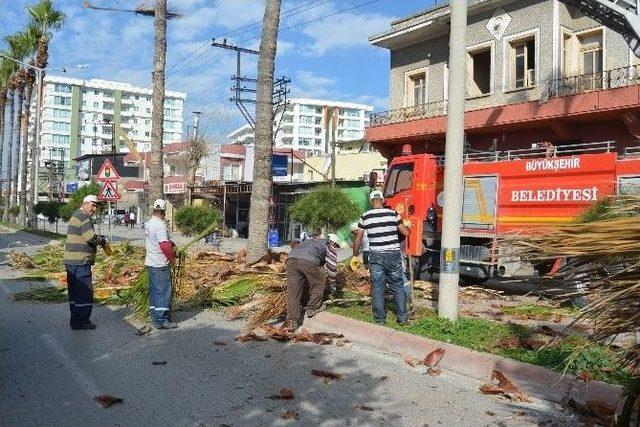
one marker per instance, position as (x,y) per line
(50,374)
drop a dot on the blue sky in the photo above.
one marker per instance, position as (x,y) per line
(328,58)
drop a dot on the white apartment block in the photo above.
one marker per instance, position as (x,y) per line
(77,116)
(305,125)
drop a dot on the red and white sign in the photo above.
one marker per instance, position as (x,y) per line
(175,188)
(109,192)
(107,172)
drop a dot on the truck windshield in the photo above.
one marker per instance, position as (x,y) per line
(400,177)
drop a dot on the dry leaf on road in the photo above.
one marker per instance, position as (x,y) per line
(502,385)
(411,361)
(326,374)
(432,359)
(289,415)
(434,372)
(364,407)
(107,400)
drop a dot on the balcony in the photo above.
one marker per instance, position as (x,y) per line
(554,88)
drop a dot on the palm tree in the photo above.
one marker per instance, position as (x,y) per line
(156,168)
(46,20)
(261,189)
(8,201)
(5,74)
(29,38)
(22,45)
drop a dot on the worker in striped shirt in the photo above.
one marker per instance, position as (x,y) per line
(382,226)
(79,256)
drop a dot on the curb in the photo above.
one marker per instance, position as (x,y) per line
(535,380)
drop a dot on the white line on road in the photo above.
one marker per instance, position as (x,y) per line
(87,385)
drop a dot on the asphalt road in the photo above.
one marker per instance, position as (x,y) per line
(49,375)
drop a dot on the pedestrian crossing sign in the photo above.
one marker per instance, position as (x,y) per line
(107,172)
(109,192)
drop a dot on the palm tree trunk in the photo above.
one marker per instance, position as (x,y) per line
(156,171)
(8,202)
(27,153)
(261,190)
(3,106)
(22,156)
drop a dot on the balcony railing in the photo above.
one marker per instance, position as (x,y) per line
(553,88)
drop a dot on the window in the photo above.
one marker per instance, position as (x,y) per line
(287,141)
(479,72)
(318,121)
(96,92)
(108,94)
(417,89)
(62,126)
(231,173)
(96,104)
(60,139)
(591,60)
(305,130)
(147,122)
(353,134)
(61,114)
(352,123)
(148,110)
(147,134)
(317,131)
(523,63)
(349,112)
(126,95)
(317,142)
(307,119)
(62,88)
(61,100)
(305,142)
(310,109)
(400,178)
(96,117)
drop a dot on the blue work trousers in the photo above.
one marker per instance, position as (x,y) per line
(386,270)
(80,288)
(159,294)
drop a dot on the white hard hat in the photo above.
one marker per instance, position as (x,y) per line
(375,194)
(160,205)
(91,198)
(333,238)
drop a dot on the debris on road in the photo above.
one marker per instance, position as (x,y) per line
(219,343)
(500,384)
(289,415)
(107,400)
(434,372)
(411,361)
(430,291)
(364,407)
(159,363)
(326,375)
(285,394)
(432,359)
(143,330)
(20,261)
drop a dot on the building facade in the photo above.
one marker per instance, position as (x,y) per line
(537,71)
(79,117)
(307,125)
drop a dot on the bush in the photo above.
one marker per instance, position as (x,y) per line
(14,211)
(49,209)
(324,207)
(193,220)
(67,209)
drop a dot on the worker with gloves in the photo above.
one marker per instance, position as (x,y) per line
(79,256)
(364,248)
(382,226)
(305,276)
(160,256)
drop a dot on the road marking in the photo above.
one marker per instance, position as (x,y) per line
(87,385)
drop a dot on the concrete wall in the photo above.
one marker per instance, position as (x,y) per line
(348,166)
(535,16)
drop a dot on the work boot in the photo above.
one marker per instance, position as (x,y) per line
(311,313)
(289,326)
(167,325)
(83,325)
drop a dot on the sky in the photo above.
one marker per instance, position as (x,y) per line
(322,47)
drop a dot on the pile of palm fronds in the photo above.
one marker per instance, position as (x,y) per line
(601,253)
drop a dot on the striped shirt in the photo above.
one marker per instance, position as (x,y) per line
(80,231)
(381,226)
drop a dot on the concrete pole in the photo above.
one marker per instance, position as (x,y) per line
(452,214)
(196,122)
(35,156)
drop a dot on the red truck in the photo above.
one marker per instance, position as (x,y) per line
(504,191)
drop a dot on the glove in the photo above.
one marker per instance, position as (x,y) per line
(102,241)
(355,263)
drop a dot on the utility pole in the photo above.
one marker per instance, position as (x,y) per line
(452,214)
(331,138)
(196,121)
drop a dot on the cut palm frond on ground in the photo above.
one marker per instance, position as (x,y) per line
(602,263)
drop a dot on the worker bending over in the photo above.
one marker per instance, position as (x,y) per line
(305,277)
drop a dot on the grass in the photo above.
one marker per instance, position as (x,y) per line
(36,232)
(571,354)
(539,312)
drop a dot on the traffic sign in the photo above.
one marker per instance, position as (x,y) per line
(109,192)
(107,172)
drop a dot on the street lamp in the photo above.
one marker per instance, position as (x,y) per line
(39,91)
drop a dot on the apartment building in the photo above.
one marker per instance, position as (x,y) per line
(306,125)
(79,116)
(537,71)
